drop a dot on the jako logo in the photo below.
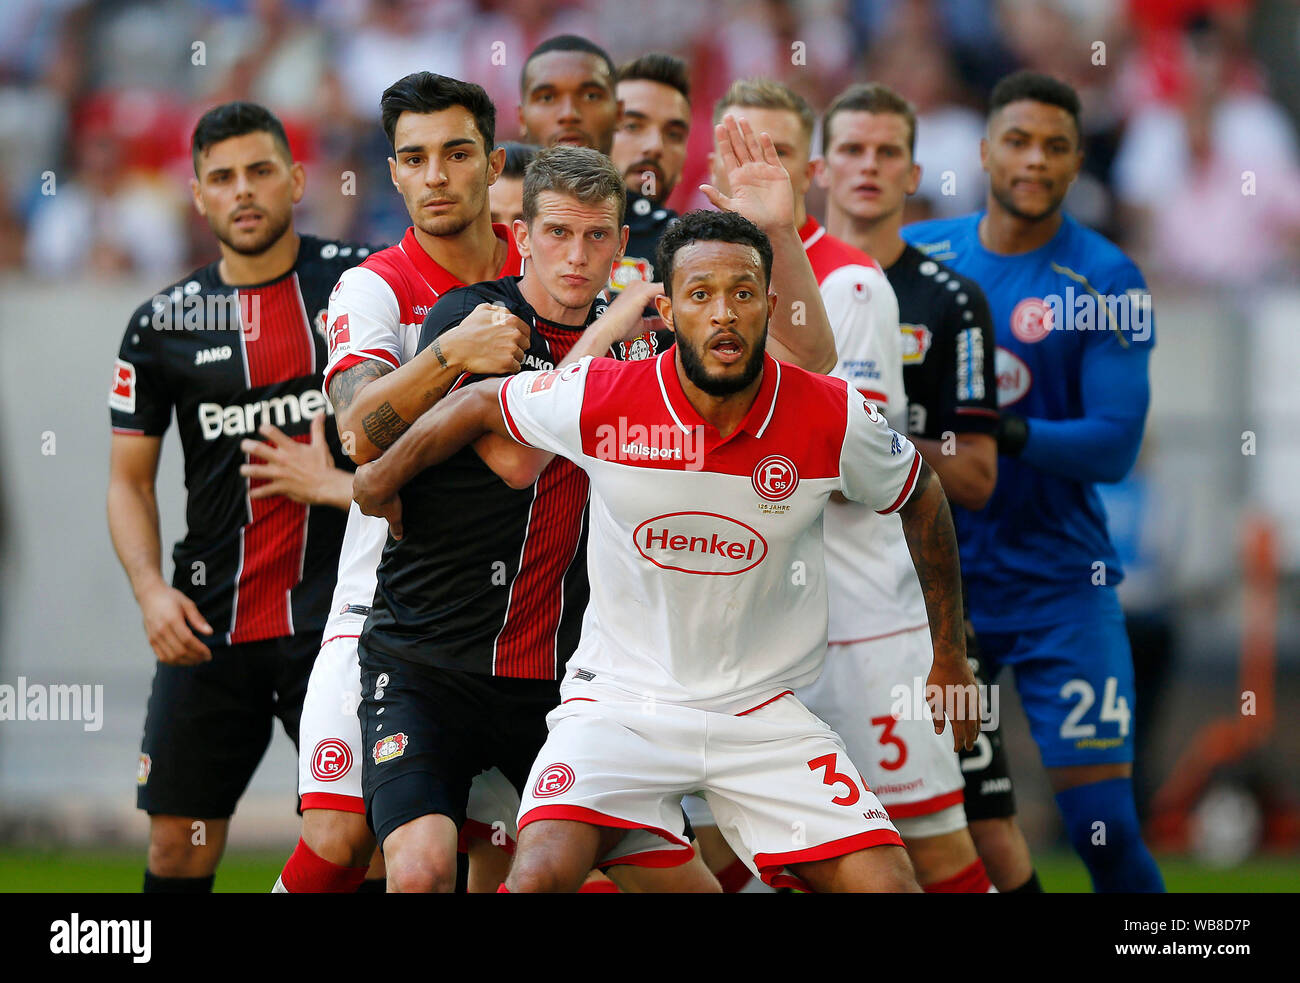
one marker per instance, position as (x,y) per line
(1013,375)
(700,542)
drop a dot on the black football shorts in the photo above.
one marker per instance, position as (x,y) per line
(989,794)
(427,731)
(208,726)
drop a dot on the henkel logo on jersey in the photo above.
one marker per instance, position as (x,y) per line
(216,420)
(122,396)
(331,760)
(775,477)
(700,542)
(1014,377)
(1032,320)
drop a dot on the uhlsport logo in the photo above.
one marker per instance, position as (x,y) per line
(1032,320)
(553,780)
(775,477)
(331,760)
(700,542)
(387,748)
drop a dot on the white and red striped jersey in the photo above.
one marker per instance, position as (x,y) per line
(375,312)
(873,586)
(708,583)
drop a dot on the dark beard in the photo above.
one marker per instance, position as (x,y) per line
(1009,206)
(259,246)
(693,366)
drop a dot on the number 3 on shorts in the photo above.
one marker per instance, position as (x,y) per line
(833,777)
(1113,707)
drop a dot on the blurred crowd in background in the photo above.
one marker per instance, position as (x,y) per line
(1190,107)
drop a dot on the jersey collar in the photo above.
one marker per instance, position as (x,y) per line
(684,415)
(810,232)
(438,278)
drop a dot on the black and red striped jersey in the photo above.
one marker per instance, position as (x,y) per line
(226,360)
(948,348)
(487,578)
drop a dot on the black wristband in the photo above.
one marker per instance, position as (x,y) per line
(1012,433)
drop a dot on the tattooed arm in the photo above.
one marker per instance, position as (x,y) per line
(376,403)
(932,541)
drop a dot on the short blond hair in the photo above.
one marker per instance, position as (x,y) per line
(581,172)
(765,93)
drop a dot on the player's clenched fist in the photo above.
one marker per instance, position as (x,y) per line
(490,341)
(169,617)
(375,495)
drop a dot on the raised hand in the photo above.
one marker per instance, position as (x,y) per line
(760,187)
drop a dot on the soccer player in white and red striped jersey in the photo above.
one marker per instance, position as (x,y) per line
(711,467)
(441,130)
(878,626)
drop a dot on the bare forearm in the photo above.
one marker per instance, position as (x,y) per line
(968,471)
(133,526)
(463,417)
(337,490)
(385,407)
(932,541)
(799,327)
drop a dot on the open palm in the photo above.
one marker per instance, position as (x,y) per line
(760,187)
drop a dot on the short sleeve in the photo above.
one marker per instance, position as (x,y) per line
(139,400)
(863,312)
(363,322)
(544,409)
(878,466)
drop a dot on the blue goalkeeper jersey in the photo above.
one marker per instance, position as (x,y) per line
(1075,329)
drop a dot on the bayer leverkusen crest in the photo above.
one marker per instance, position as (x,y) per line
(629,269)
(644,345)
(387,748)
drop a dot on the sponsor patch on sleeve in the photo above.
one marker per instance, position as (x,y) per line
(122,396)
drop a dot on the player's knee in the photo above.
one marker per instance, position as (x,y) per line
(421,875)
(891,871)
(342,838)
(538,875)
(175,852)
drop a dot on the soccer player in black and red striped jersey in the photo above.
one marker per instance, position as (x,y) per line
(236,349)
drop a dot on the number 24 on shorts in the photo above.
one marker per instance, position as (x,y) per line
(1113,707)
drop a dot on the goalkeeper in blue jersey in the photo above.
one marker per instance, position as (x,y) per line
(1075,331)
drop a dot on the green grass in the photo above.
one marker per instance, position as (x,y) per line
(67,871)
